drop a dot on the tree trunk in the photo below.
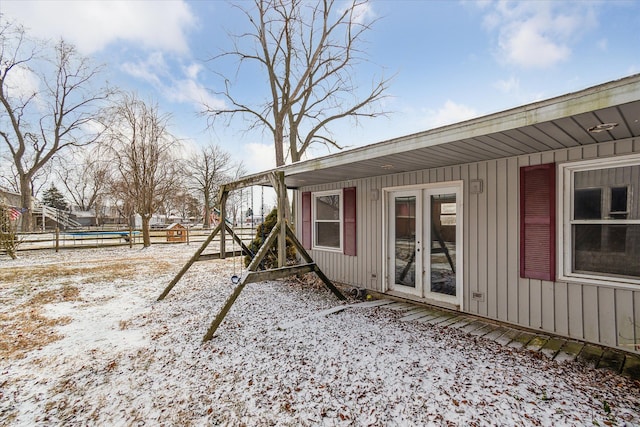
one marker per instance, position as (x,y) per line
(27,202)
(293,144)
(97,209)
(278,138)
(146,238)
(207,210)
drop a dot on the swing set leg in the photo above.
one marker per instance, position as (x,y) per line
(189,263)
(232,298)
(225,309)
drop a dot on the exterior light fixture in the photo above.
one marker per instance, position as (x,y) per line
(602,127)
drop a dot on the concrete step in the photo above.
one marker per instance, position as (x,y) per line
(569,351)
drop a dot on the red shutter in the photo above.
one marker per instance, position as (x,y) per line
(306,220)
(349,220)
(538,222)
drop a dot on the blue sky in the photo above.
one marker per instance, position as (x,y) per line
(452,60)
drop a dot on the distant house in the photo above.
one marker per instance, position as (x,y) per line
(84,218)
(156,221)
(529,216)
(10,198)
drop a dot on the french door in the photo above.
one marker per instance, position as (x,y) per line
(424,242)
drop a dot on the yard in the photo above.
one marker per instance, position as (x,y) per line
(83,341)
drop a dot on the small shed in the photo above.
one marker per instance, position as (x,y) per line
(176,232)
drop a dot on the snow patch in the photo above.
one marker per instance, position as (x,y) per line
(126,359)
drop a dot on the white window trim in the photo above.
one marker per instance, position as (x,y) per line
(314,197)
(564,205)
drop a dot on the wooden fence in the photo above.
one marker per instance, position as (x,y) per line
(108,237)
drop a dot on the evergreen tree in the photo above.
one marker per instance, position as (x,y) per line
(54,198)
(271,259)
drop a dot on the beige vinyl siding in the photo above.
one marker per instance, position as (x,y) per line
(598,314)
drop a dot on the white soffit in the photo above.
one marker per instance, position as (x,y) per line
(552,124)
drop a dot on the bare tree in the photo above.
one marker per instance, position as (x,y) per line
(85,177)
(208,168)
(184,204)
(147,170)
(308,52)
(9,176)
(235,198)
(119,197)
(48,104)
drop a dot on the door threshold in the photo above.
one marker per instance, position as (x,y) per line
(428,301)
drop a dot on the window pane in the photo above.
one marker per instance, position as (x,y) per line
(587,237)
(587,203)
(405,241)
(328,234)
(607,249)
(443,238)
(607,193)
(405,217)
(328,208)
(616,237)
(619,203)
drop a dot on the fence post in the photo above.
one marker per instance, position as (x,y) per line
(130,238)
(57,239)
(188,228)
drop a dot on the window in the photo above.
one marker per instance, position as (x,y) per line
(601,219)
(327,220)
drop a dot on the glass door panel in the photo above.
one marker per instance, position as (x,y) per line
(443,244)
(405,241)
(404,254)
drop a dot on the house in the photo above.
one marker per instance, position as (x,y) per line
(10,198)
(529,216)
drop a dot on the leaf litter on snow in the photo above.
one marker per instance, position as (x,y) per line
(121,358)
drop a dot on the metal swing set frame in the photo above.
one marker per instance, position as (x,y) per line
(278,236)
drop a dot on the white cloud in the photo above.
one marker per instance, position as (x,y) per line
(93,24)
(193,92)
(258,157)
(528,47)
(538,34)
(22,83)
(512,85)
(192,70)
(148,70)
(362,12)
(449,113)
(170,84)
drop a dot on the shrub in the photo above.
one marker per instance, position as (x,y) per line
(8,236)
(262,231)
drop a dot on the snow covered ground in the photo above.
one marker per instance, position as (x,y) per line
(85,343)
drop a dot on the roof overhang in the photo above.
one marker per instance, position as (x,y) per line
(566,121)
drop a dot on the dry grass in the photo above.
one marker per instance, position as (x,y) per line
(24,327)
(31,275)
